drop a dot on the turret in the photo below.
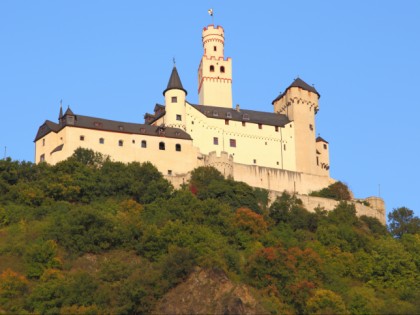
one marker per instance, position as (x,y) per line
(214,72)
(175,101)
(299,102)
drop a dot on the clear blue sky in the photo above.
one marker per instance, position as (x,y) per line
(112,59)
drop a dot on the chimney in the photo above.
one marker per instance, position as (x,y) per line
(237,108)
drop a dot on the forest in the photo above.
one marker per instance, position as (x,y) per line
(93,236)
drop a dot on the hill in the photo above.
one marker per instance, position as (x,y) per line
(91,236)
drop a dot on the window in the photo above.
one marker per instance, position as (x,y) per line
(214,48)
(43,142)
(259,126)
(222,69)
(245,117)
(276,128)
(211,68)
(42,158)
(178,147)
(317,160)
(178,117)
(169,172)
(97,124)
(133,141)
(174,99)
(226,121)
(216,141)
(232,143)
(142,130)
(161,145)
(243,124)
(284,147)
(121,128)
(325,146)
(229,115)
(82,138)
(120,143)
(143,144)
(311,127)
(215,113)
(255,161)
(278,163)
(101,140)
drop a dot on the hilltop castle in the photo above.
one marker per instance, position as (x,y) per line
(275,150)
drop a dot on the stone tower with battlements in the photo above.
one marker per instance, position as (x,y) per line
(214,72)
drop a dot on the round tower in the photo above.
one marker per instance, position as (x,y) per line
(175,96)
(214,72)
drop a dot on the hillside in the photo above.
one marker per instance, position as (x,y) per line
(91,236)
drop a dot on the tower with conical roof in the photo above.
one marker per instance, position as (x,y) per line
(175,101)
(214,72)
(299,102)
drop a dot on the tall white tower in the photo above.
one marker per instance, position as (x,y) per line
(215,72)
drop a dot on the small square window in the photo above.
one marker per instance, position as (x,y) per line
(325,146)
(178,147)
(169,172)
(82,138)
(226,121)
(216,141)
(178,117)
(120,143)
(259,126)
(243,124)
(174,99)
(255,161)
(311,127)
(101,140)
(143,144)
(133,141)
(42,158)
(232,143)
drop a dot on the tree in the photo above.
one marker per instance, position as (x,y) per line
(402,221)
(337,191)
(326,302)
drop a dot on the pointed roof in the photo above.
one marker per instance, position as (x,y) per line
(298,82)
(60,115)
(174,82)
(69,112)
(320,139)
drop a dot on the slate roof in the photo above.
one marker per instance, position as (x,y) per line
(174,82)
(298,83)
(320,139)
(246,115)
(114,126)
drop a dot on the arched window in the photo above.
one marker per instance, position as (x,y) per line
(143,144)
(177,147)
(120,143)
(101,140)
(222,69)
(161,145)
(211,68)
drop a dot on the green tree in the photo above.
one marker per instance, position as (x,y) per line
(402,221)
(326,302)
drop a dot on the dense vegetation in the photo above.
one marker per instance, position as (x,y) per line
(91,236)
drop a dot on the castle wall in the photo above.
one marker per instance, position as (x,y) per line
(252,145)
(169,160)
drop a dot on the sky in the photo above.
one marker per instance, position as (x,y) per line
(113,59)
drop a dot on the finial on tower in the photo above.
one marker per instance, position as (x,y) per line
(211,13)
(173,59)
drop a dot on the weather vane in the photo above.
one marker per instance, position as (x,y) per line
(211,13)
(173,59)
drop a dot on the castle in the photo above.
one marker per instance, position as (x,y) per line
(275,150)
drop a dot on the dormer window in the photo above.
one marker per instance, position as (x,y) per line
(229,115)
(120,128)
(245,117)
(215,114)
(222,69)
(211,68)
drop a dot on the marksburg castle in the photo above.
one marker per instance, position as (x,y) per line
(275,150)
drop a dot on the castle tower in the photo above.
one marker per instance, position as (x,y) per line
(175,102)
(299,102)
(214,72)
